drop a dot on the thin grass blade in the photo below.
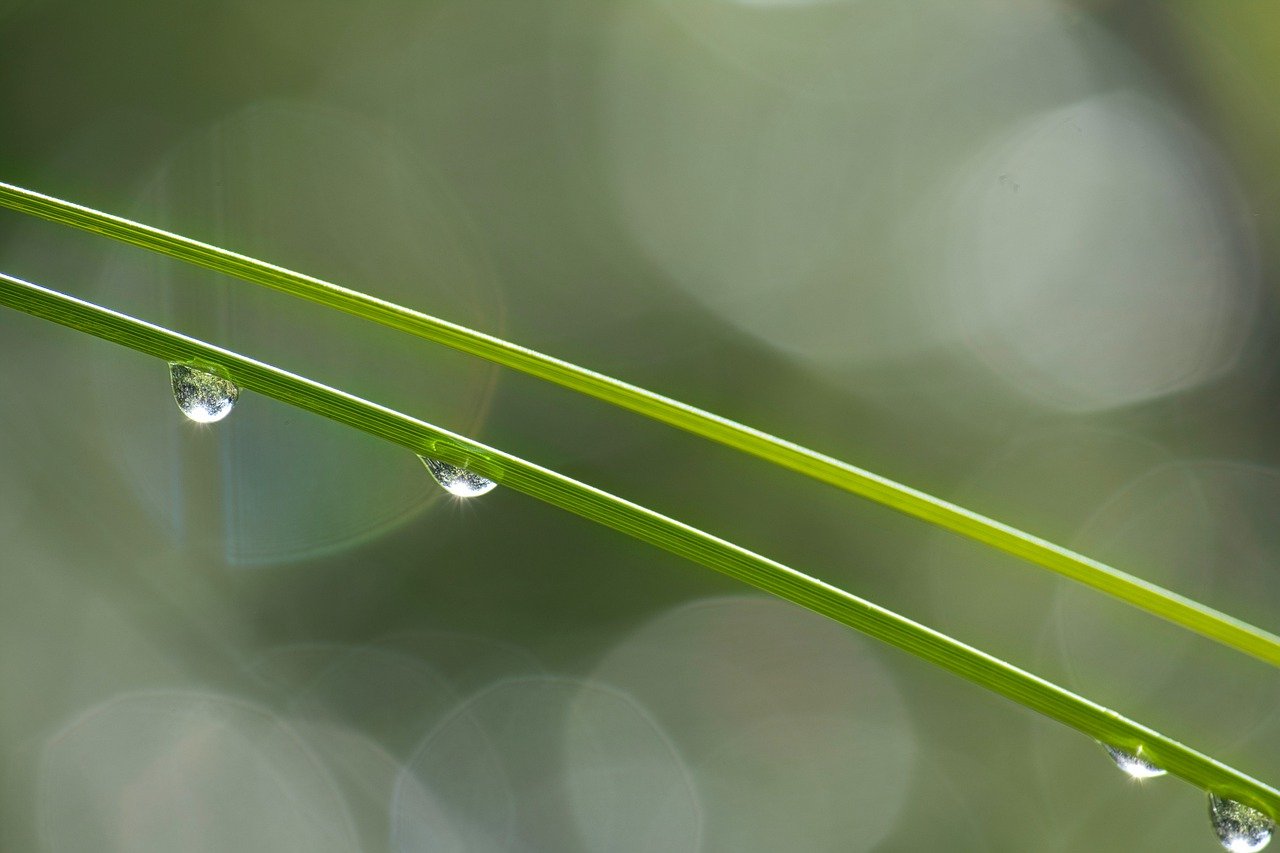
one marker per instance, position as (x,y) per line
(646,525)
(1126,587)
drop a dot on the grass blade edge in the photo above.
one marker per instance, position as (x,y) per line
(644,524)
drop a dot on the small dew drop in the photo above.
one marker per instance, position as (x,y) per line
(1239,828)
(1136,766)
(457,481)
(202,396)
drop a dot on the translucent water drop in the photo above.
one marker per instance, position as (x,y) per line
(1240,828)
(457,481)
(202,396)
(1133,764)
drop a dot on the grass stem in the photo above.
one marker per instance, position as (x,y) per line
(644,524)
(1123,586)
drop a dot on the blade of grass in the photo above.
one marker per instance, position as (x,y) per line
(646,525)
(1133,590)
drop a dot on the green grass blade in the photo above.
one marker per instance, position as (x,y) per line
(646,525)
(1146,596)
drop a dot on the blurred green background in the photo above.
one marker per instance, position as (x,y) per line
(1018,253)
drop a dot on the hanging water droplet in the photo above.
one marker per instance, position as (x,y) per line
(1239,828)
(457,481)
(1133,764)
(202,396)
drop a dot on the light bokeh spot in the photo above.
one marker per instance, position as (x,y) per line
(171,770)
(795,734)
(325,190)
(1096,256)
(769,164)
(549,764)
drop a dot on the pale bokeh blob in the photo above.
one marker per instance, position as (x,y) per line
(388,696)
(548,764)
(336,195)
(171,770)
(1048,482)
(766,163)
(794,732)
(1159,527)
(1096,256)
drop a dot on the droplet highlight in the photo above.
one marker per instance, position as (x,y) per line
(202,396)
(1133,764)
(1240,829)
(457,481)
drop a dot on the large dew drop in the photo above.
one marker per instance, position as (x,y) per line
(1240,828)
(202,396)
(457,481)
(1134,765)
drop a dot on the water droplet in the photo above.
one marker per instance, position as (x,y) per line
(457,481)
(1133,763)
(203,397)
(1240,828)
